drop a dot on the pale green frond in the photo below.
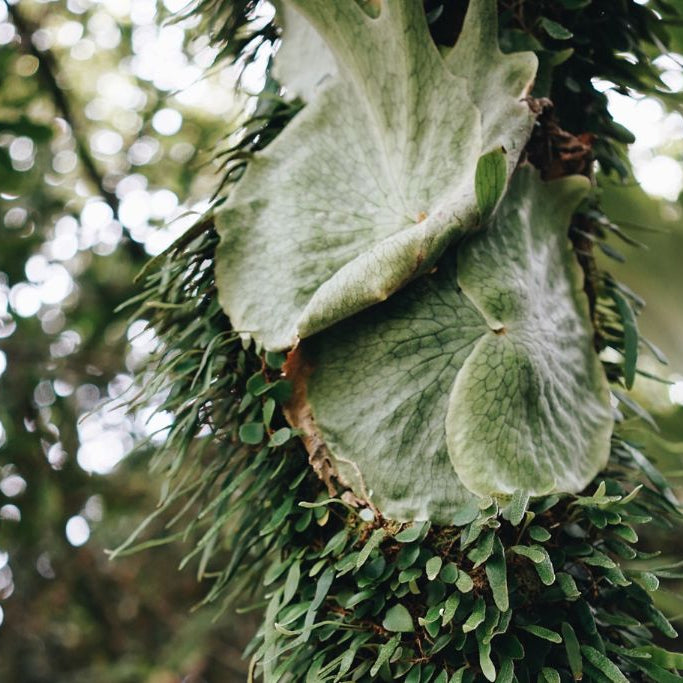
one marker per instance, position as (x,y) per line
(530,408)
(478,381)
(379,393)
(303,61)
(494,77)
(368,185)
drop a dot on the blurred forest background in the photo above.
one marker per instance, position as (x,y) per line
(111,116)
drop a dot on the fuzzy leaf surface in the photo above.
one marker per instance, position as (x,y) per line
(480,378)
(370,183)
(530,407)
(379,394)
(304,61)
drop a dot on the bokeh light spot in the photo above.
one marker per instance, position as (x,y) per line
(167,121)
(77,530)
(676,393)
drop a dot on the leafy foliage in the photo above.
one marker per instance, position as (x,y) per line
(350,594)
(391,167)
(405,150)
(445,401)
(542,590)
(235,27)
(616,43)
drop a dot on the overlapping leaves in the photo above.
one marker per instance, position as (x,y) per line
(386,168)
(364,190)
(481,374)
(341,583)
(465,604)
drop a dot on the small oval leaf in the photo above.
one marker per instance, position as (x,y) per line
(398,619)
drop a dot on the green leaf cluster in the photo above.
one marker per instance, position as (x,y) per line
(539,590)
(386,179)
(494,383)
(481,377)
(540,600)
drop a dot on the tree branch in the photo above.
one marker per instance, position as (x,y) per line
(47,71)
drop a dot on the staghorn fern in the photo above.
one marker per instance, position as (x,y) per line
(446,523)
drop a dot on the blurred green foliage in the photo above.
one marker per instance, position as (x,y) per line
(87,186)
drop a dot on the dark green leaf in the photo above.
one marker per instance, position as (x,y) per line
(555,30)
(571,645)
(657,673)
(652,473)
(433,614)
(433,567)
(449,608)
(539,534)
(509,646)
(662,657)
(281,391)
(604,664)
(449,573)
(633,405)
(534,553)
(506,672)
(496,572)
(321,590)
(661,622)
(373,542)
(464,582)
(568,586)
(598,559)
(482,551)
(251,433)
(410,574)
(485,663)
(515,509)
(415,674)
(268,410)
(545,570)
(514,40)
(275,359)
(543,633)
(548,675)
(646,579)
(628,320)
(385,652)
(413,533)
(280,437)
(256,384)
(291,583)
(476,617)
(560,57)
